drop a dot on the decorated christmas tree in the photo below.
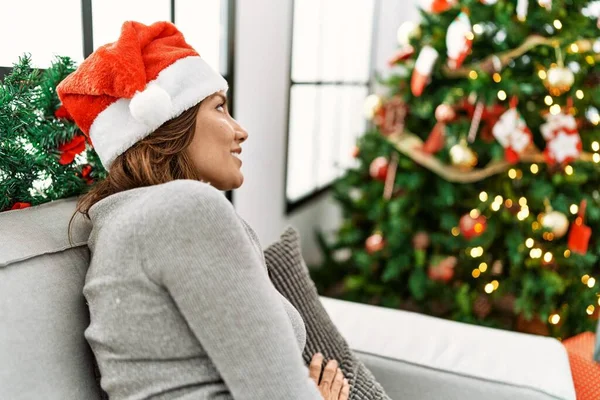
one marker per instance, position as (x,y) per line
(476,191)
(43,155)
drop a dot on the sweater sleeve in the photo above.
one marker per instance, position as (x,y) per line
(194,245)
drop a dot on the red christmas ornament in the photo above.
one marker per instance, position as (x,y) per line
(61,112)
(355,152)
(421,74)
(579,236)
(404,54)
(20,205)
(390,117)
(379,168)
(437,6)
(443,271)
(85,174)
(472,227)
(444,113)
(512,133)
(489,117)
(436,139)
(374,243)
(562,136)
(71,149)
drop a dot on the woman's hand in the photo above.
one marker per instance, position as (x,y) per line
(333,385)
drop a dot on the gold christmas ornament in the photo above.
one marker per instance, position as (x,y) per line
(559,80)
(557,222)
(462,156)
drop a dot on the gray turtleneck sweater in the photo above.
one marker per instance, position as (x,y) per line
(181,305)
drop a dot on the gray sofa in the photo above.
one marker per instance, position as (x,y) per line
(44,355)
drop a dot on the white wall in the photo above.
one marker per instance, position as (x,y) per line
(262,62)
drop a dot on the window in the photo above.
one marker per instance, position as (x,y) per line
(53,27)
(75,28)
(330,76)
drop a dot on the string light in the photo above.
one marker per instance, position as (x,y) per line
(591,282)
(590,309)
(574,208)
(534,168)
(524,213)
(569,170)
(535,253)
(574,47)
(555,109)
(522,201)
(512,173)
(496,206)
(579,94)
(596,157)
(455,231)
(548,257)
(470,36)
(542,74)
(501,95)
(476,273)
(474,213)
(497,77)
(498,199)
(554,319)
(549,236)
(478,29)
(590,60)
(489,288)
(476,252)
(508,203)
(483,267)
(535,226)
(529,243)
(557,24)
(483,196)
(567,253)
(595,146)
(584,279)
(519,174)
(548,100)
(599,300)
(495,284)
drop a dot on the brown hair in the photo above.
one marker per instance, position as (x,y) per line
(158,158)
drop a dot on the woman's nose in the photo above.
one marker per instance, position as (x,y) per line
(242,134)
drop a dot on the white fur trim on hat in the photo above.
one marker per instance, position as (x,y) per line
(152,106)
(178,87)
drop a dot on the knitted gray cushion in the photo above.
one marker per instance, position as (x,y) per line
(291,278)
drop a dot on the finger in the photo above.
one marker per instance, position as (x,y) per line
(345,393)
(336,386)
(329,372)
(316,365)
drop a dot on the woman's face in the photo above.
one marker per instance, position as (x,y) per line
(215,147)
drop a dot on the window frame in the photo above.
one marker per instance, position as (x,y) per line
(291,206)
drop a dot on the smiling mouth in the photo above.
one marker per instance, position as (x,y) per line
(236,156)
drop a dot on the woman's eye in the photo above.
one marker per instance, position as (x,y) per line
(221,105)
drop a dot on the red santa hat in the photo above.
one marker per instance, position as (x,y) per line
(127,89)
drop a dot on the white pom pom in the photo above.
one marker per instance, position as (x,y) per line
(152,106)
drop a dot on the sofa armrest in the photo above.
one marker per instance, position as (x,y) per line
(421,357)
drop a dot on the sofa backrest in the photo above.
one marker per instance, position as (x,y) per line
(43,314)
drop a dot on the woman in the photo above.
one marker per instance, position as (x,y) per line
(181,305)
